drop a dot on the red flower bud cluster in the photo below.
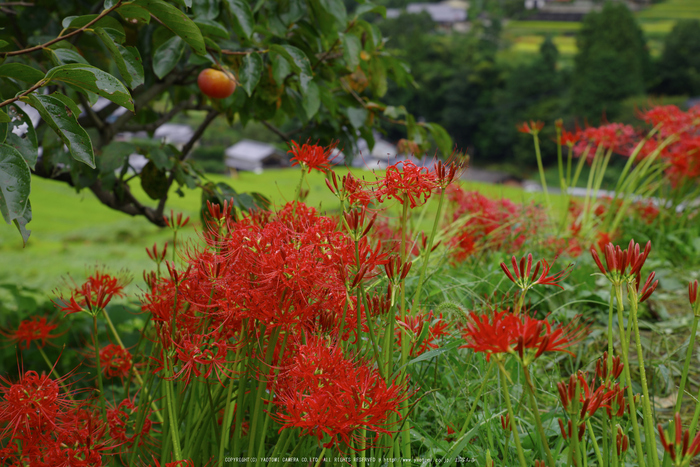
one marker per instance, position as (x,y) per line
(680,449)
(521,273)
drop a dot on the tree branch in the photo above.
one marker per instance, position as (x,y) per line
(61,38)
(198,133)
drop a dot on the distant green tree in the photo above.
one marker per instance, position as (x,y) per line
(611,64)
(679,66)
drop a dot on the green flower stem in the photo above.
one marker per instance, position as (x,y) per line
(405,434)
(320,458)
(686,365)
(476,401)
(610,326)
(511,415)
(646,402)
(424,266)
(301,183)
(55,373)
(538,154)
(228,415)
(598,455)
(538,420)
(624,342)
(173,420)
(377,355)
(606,449)
(272,342)
(99,368)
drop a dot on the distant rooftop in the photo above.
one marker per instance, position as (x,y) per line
(451,11)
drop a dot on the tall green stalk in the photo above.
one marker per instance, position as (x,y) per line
(511,415)
(624,340)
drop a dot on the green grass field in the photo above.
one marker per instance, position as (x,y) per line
(73,232)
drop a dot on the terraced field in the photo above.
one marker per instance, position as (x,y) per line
(656,21)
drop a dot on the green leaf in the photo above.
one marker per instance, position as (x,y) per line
(378,76)
(249,74)
(336,8)
(113,156)
(311,100)
(3,44)
(65,56)
(22,221)
(15,183)
(299,60)
(63,121)
(351,50)
(94,80)
(160,158)
(134,14)
(128,59)
(177,21)
(167,56)
(280,68)
(243,17)
(211,28)
(21,135)
(368,7)
(357,116)
(21,72)
(4,118)
(205,9)
(153,181)
(395,112)
(441,137)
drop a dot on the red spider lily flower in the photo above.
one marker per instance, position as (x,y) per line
(122,422)
(505,422)
(155,255)
(427,329)
(412,183)
(490,334)
(532,128)
(693,297)
(570,138)
(567,429)
(503,332)
(617,261)
(356,192)
(608,374)
(615,137)
(355,223)
(115,361)
(35,329)
(94,294)
(30,405)
(202,358)
(649,286)
(622,441)
(182,463)
(681,449)
(331,397)
(522,278)
(312,156)
(176,222)
(445,173)
(590,399)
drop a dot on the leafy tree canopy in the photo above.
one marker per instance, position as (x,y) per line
(305,69)
(612,62)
